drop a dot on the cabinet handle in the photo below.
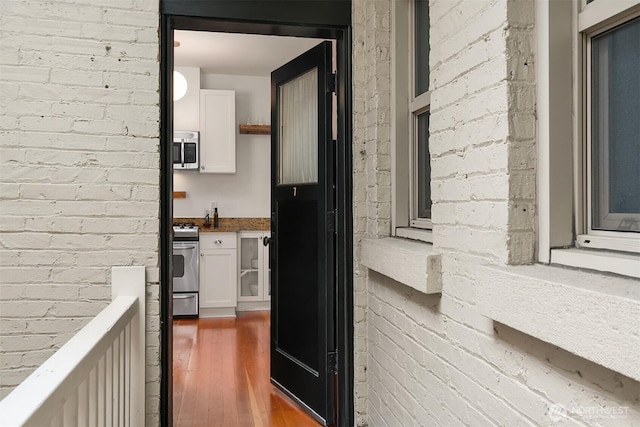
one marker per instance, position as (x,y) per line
(201,254)
(217,242)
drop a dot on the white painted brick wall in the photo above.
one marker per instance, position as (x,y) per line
(79,154)
(372,160)
(435,359)
(440,352)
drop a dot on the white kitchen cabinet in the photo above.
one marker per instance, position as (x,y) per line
(218,274)
(217,131)
(254,284)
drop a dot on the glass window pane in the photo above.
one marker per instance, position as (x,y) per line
(423,167)
(421,45)
(615,128)
(299,130)
(178,266)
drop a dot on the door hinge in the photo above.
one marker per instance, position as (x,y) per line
(331,221)
(332,362)
(332,82)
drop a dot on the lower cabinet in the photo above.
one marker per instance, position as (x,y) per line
(254,285)
(218,274)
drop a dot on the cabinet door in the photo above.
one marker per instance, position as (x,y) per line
(250,258)
(217,131)
(218,278)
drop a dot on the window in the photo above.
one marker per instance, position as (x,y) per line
(611,143)
(420,201)
(588,134)
(411,215)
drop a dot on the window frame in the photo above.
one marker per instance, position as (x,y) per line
(418,105)
(594,19)
(415,220)
(560,96)
(404,127)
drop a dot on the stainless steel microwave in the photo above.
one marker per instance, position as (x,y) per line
(186,150)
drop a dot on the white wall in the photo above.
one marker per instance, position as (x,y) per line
(247,192)
(79,156)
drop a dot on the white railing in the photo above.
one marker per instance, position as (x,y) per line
(97,378)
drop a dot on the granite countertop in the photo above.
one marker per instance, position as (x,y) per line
(229,225)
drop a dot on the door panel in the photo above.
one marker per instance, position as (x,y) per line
(298,282)
(302,247)
(298,129)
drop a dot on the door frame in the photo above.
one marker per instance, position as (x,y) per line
(323,19)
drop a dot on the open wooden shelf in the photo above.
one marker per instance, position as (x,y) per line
(255,129)
(179,194)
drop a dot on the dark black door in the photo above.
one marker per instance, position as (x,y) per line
(302,226)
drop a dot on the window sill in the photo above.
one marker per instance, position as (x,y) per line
(415,234)
(592,315)
(604,261)
(411,263)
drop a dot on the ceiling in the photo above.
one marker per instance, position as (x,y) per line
(243,54)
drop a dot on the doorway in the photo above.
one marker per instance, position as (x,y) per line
(240,66)
(251,21)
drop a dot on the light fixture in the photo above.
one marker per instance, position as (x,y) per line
(179,85)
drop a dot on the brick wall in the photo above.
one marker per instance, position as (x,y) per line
(435,359)
(80,171)
(371,161)
(482,129)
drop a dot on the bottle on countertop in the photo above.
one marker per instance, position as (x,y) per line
(216,220)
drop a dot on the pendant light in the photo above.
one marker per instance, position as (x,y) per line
(179,85)
(179,81)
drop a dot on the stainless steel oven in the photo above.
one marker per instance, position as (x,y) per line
(186,263)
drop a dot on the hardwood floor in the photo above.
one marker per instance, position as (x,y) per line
(221,375)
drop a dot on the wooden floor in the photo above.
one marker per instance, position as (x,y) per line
(221,375)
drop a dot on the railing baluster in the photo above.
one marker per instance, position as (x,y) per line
(102,391)
(127,373)
(116,382)
(70,411)
(109,390)
(121,380)
(83,403)
(56,421)
(93,397)
(119,373)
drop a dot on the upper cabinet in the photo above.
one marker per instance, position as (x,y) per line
(217,131)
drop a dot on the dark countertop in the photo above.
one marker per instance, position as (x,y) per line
(229,225)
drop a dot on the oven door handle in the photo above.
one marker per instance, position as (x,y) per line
(183,296)
(184,247)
